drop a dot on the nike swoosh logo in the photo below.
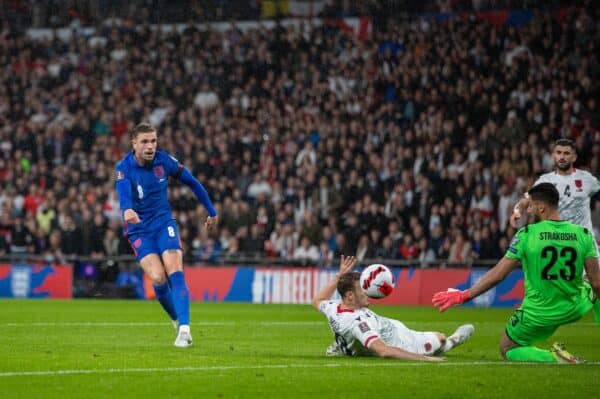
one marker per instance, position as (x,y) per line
(161,180)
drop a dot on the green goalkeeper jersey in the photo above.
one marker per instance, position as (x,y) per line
(552,254)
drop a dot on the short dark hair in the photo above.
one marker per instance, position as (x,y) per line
(143,127)
(565,143)
(346,282)
(545,192)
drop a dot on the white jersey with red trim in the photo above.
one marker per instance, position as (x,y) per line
(356,330)
(575,191)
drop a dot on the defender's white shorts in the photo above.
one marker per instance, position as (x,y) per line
(421,342)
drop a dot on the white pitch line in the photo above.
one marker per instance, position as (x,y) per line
(199,323)
(144,324)
(266,366)
(222,323)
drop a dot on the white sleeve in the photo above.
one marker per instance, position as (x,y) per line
(541,179)
(593,184)
(363,331)
(326,307)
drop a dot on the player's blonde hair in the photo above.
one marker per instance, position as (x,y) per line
(143,127)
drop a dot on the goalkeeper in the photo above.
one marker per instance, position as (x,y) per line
(553,254)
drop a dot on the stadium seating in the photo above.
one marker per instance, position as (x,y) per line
(410,146)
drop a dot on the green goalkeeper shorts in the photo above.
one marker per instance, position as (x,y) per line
(522,331)
(525,329)
(531,324)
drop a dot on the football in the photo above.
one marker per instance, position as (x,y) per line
(377,281)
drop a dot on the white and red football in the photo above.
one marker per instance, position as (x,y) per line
(377,281)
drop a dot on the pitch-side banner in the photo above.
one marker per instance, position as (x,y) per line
(299,285)
(36,281)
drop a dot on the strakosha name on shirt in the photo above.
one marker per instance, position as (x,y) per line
(553,235)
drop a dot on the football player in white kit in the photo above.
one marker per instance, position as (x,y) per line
(361,332)
(575,187)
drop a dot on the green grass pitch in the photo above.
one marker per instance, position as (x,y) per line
(124,349)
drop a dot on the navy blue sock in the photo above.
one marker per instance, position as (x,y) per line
(165,297)
(181,297)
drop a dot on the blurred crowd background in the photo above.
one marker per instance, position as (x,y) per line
(60,13)
(410,145)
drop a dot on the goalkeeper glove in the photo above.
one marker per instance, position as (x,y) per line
(443,300)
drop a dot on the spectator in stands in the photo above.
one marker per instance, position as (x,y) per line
(325,256)
(253,242)
(110,243)
(364,250)
(326,199)
(306,253)
(426,254)
(21,238)
(408,248)
(366,146)
(460,250)
(4,247)
(54,254)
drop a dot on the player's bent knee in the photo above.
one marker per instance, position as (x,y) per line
(154,269)
(504,348)
(172,259)
(505,345)
(157,278)
(503,351)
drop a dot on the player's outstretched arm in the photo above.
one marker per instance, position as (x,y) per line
(384,350)
(451,297)
(211,221)
(346,265)
(123,188)
(592,270)
(445,299)
(200,192)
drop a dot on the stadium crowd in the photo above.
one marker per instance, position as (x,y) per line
(412,145)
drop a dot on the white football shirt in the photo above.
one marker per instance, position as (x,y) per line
(356,330)
(575,191)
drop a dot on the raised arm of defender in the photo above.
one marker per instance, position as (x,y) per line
(346,265)
(518,211)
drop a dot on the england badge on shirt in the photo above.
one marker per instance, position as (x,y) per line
(159,172)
